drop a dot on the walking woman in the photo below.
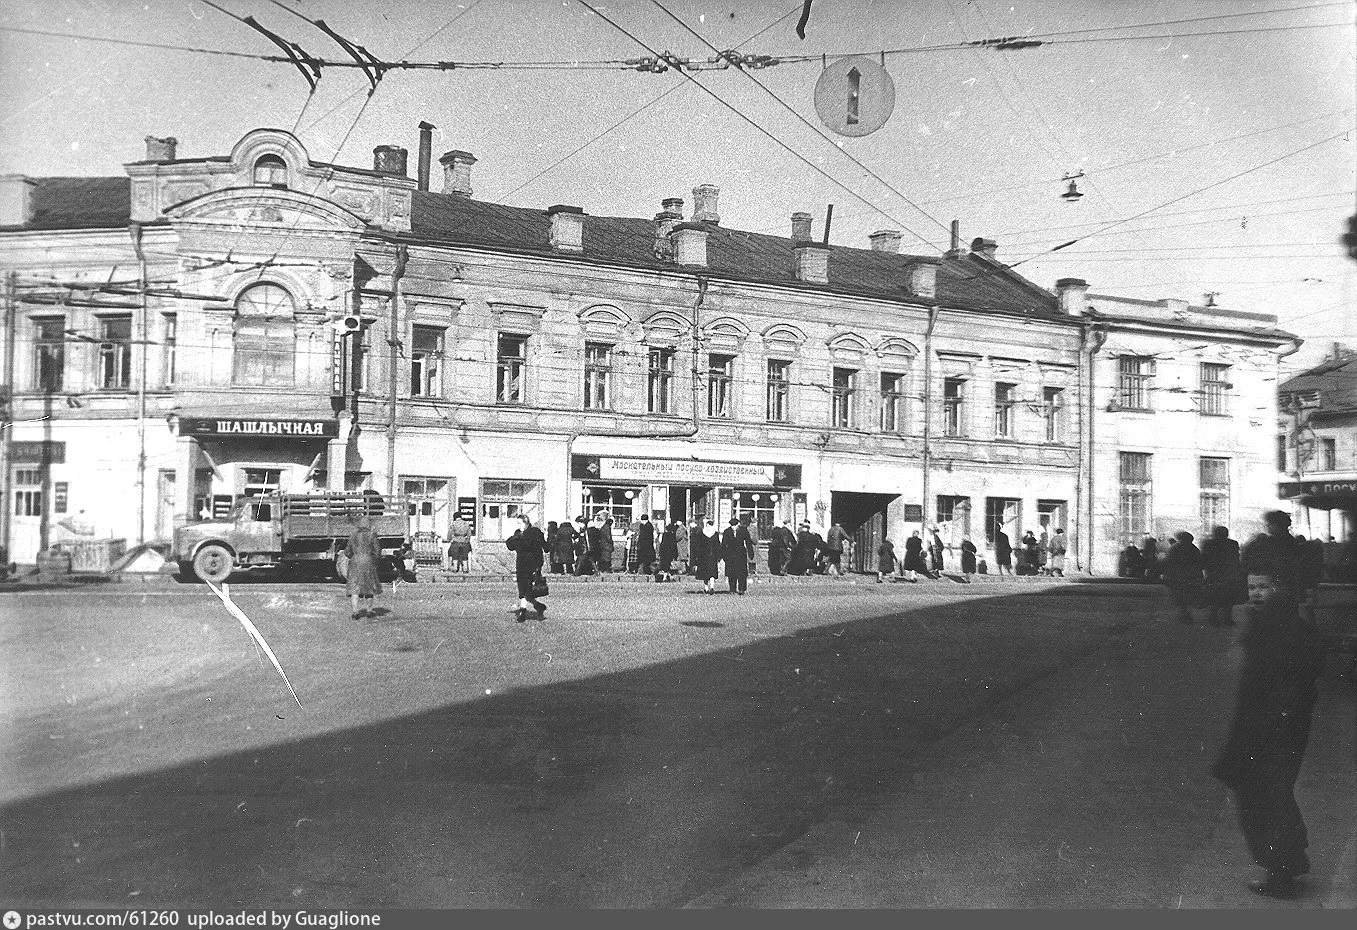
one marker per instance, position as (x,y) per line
(529,545)
(885,560)
(1183,576)
(668,550)
(459,546)
(708,556)
(364,552)
(563,548)
(1003,552)
(968,560)
(914,557)
(682,551)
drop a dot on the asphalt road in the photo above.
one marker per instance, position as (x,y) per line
(646,746)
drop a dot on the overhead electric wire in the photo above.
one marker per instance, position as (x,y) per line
(1230,218)
(816,129)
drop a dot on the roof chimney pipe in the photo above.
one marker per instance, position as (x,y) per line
(886,240)
(457,172)
(801,231)
(161,149)
(985,248)
(390,159)
(425,153)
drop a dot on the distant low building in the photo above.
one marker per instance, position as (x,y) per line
(206,328)
(1316,455)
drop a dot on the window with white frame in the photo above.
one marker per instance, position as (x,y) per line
(1214,474)
(845,385)
(270,171)
(1005,399)
(779,390)
(618,502)
(28,492)
(761,509)
(660,381)
(951,507)
(598,376)
(953,406)
(426,354)
(510,368)
(720,386)
(49,353)
(892,402)
(115,353)
(264,332)
(503,501)
(1136,496)
(1053,413)
(1135,381)
(1215,389)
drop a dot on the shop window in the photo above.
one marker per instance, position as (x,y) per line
(270,171)
(954,507)
(1051,515)
(503,501)
(1053,413)
(598,375)
(1003,513)
(1215,389)
(720,384)
(512,354)
(845,398)
(1005,398)
(620,502)
(1215,492)
(761,509)
(660,381)
(28,492)
(426,351)
(1328,453)
(1135,380)
(169,344)
(1136,496)
(264,334)
(953,406)
(259,481)
(115,353)
(779,390)
(892,402)
(49,354)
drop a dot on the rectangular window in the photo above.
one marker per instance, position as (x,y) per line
(1281,453)
(169,345)
(260,481)
(845,389)
(720,379)
(1215,389)
(61,493)
(503,502)
(761,509)
(512,355)
(1136,497)
(1003,513)
(1134,381)
(115,352)
(264,351)
(779,390)
(28,492)
(892,402)
(426,354)
(952,507)
(617,501)
(953,399)
(49,354)
(1214,476)
(1052,413)
(598,375)
(1328,454)
(660,381)
(1004,400)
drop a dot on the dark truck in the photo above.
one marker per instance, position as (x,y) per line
(285,531)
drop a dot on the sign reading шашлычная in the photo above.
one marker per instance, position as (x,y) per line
(232,426)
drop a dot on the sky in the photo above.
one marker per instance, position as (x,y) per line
(1229,156)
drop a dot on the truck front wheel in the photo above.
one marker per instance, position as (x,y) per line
(213,563)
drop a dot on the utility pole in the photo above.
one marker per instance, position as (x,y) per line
(928,409)
(7,414)
(393,373)
(144,338)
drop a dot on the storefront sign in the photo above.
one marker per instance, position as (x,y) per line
(914,513)
(685,471)
(26,452)
(291,429)
(1289,489)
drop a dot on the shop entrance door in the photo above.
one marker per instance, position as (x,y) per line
(863,517)
(690,502)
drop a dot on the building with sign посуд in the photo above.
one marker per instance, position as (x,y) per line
(205,328)
(1317,447)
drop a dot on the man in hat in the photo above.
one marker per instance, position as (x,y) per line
(737,548)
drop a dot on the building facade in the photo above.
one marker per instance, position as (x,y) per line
(207,328)
(1317,447)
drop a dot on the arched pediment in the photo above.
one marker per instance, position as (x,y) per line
(665,328)
(256,144)
(256,206)
(895,348)
(725,333)
(604,320)
(849,347)
(783,337)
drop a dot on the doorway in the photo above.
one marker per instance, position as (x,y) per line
(863,517)
(691,502)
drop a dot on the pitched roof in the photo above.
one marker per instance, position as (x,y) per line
(80,203)
(1334,378)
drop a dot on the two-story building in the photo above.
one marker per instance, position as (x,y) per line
(205,328)
(1317,446)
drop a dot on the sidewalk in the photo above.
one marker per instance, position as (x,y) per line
(1090,790)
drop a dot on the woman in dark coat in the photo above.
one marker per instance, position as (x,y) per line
(645,546)
(606,545)
(1003,552)
(914,557)
(682,550)
(669,547)
(707,555)
(1183,575)
(528,545)
(563,548)
(885,560)
(1225,584)
(935,552)
(803,552)
(967,558)
(549,534)
(364,552)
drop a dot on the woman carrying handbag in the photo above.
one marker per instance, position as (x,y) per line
(529,546)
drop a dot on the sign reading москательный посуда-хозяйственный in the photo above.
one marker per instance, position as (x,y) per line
(685,471)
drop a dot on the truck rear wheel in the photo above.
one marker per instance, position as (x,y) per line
(213,563)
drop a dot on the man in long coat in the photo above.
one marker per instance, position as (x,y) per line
(645,546)
(737,548)
(780,543)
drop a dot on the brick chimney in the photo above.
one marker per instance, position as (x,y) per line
(985,248)
(690,244)
(811,262)
(801,228)
(390,159)
(670,215)
(457,172)
(16,200)
(704,204)
(886,240)
(1073,296)
(158,149)
(923,279)
(954,250)
(567,228)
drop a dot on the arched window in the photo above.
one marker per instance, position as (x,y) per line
(270,171)
(264,349)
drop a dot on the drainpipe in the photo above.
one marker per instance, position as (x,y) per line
(7,410)
(144,339)
(697,348)
(928,407)
(1093,337)
(393,343)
